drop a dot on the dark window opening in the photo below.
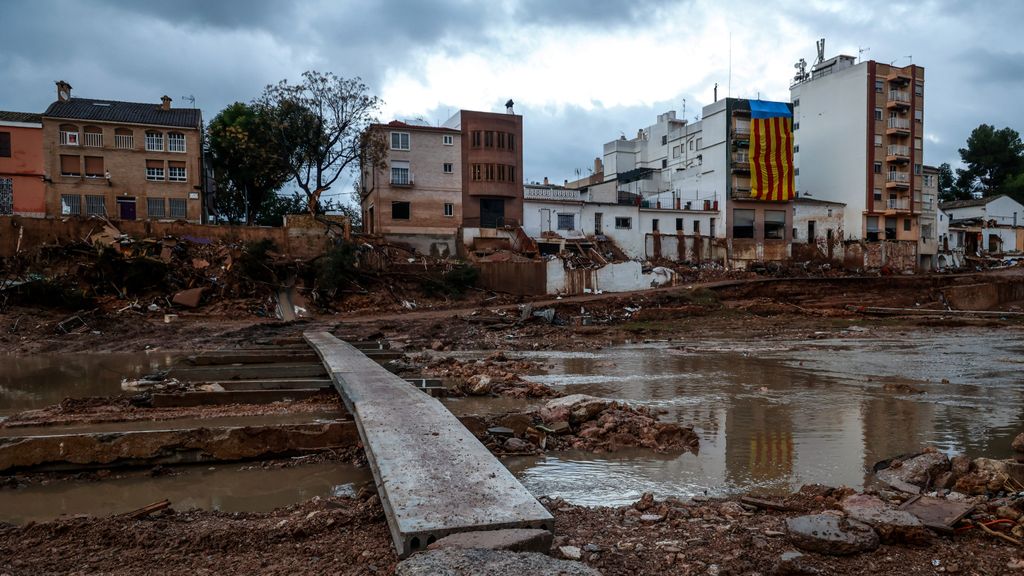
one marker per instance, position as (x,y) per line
(400,210)
(774,225)
(742,223)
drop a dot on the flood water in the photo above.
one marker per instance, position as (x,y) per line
(775,415)
(226,487)
(28,382)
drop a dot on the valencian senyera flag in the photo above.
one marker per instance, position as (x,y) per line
(771,151)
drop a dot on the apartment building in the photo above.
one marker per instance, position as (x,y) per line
(416,198)
(859,140)
(122,160)
(22,190)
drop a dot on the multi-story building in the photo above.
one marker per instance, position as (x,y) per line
(22,189)
(122,160)
(859,134)
(416,197)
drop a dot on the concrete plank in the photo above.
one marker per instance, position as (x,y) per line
(248,372)
(434,477)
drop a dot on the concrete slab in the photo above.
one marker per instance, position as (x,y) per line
(220,358)
(434,477)
(247,372)
(188,399)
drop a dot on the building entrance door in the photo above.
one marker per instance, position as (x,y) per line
(492,212)
(810,232)
(126,208)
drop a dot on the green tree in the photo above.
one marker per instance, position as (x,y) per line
(319,125)
(992,159)
(248,166)
(948,189)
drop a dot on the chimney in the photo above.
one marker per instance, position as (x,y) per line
(166,102)
(545,180)
(63,91)
(598,166)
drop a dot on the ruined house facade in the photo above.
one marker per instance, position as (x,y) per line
(22,189)
(122,160)
(991,225)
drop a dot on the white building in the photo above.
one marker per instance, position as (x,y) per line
(990,225)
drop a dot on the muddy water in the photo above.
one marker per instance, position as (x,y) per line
(176,424)
(28,382)
(775,415)
(228,488)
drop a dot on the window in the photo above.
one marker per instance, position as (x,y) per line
(155,170)
(696,227)
(94,167)
(872,228)
(449,209)
(774,225)
(178,207)
(93,136)
(68,135)
(918,89)
(878,194)
(176,172)
(878,167)
(154,141)
(917,169)
(512,174)
(742,223)
(796,171)
(476,139)
(399,140)
(679,224)
(400,210)
(878,113)
(691,143)
(878,139)
(448,140)
(623,223)
(664,139)
(829,212)
(95,205)
(654,225)
(5,144)
(488,171)
(70,204)
(501,139)
(400,174)
(477,175)
(675,152)
(796,148)
(918,115)
(124,139)
(711,228)
(664,163)
(566,221)
(890,227)
(175,142)
(448,168)
(796,125)
(501,171)
(796,102)
(155,208)
(511,141)
(879,85)
(70,165)
(6,196)
(488,139)
(918,143)
(906,224)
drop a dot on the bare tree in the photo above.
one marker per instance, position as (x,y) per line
(319,125)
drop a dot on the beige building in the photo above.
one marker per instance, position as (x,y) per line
(416,198)
(123,160)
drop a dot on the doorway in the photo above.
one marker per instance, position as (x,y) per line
(492,212)
(598,224)
(126,208)
(810,232)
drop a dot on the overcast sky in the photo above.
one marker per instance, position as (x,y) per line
(581,72)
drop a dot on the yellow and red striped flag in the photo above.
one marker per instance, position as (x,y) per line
(771,154)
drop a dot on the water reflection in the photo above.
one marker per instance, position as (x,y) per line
(777,415)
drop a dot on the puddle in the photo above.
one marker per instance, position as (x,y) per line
(226,488)
(773,416)
(28,382)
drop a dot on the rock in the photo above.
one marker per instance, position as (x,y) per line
(893,526)
(437,345)
(570,552)
(651,518)
(920,471)
(517,422)
(985,476)
(960,466)
(513,540)
(517,445)
(479,385)
(793,563)
(1018,443)
(1008,512)
(466,562)
(645,502)
(188,298)
(732,509)
(575,408)
(831,534)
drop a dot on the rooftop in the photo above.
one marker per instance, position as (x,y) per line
(816,201)
(969,203)
(124,112)
(28,117)
(418,127)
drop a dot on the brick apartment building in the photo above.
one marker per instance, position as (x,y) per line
(22,190)
(124,160)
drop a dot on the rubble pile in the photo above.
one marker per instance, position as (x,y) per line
(497,375)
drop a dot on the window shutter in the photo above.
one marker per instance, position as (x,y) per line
(70,165)
(94,165)
(155,164)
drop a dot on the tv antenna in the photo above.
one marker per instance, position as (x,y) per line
(821,51)
(860,53)
(190,99)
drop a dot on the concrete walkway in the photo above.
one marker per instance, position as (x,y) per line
(434,477)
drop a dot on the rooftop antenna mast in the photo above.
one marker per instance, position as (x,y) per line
(860,53)
(729,86)
(190,99)
(821,51)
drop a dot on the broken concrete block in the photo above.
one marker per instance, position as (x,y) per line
(513,540)
(893,526)
(831,534)
(188,298)
(452,562)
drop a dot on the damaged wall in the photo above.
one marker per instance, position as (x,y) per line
(680,248)
(616,277)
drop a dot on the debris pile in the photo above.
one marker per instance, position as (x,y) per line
(497,375)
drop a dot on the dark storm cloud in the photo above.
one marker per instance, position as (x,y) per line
(214,13)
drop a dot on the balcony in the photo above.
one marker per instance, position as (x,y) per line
(897,205)
(899,76)
(896,179)
(898,126)
(551,194)
(897,153)
(94,139)
(741,132)
(740,162)
(402,179)
(898,99)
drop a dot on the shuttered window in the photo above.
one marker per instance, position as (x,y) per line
(155,170)
(70,165)
(94,167)
(176,171)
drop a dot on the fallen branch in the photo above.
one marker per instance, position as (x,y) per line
(147,510)
(1009,539)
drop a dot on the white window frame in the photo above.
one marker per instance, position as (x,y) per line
(173,140)
(448,140)
(151,139)
(172,178)
(449,210)
(155,174)
(69,138)
(448,168)
(401,174)
(403,141)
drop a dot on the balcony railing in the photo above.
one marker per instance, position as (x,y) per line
(899,124)
(94,139)
(124,142)
(900,177)
(741,131)
(68,138)
(551,194)
(402,179)
(899,96)
(898,204)
(898,150)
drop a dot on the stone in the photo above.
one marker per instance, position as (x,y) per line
(188,298)
(831,534)
(893,526)
(793,563)
(651,518)
(479,385)
(570,552)
(467,562)
(960,466)
(518,423)
(920,471)
(1018,443)
(517,445)
(513,540)
(732,509)
(437,345)
(645,502)
(575,408)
